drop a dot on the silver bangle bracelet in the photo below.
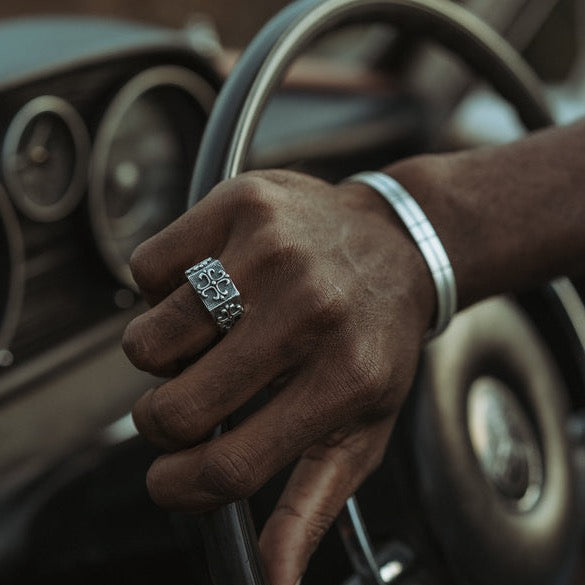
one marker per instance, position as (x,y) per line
(423,233)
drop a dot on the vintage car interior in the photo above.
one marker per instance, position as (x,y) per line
(102,124)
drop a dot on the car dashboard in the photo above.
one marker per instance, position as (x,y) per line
(100,125)
(91,109)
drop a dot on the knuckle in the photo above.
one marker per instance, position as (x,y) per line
(281,177)
(367,376)
(281,253)
(314,525)
(133,342)
(326,305)
(254,198)
(279,258)
(230,474)
(140,347)
(143,268)
(317,525)
(157,485)
(168,490)
(171,416)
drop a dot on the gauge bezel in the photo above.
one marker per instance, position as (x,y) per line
(9,315)
(47,104)
(172,76)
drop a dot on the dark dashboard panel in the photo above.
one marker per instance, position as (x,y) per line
(63,307)
(54,103)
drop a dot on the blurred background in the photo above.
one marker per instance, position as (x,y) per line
(236,21)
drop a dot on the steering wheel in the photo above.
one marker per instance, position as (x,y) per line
(510,516)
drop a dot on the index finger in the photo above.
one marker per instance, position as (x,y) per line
(159,263)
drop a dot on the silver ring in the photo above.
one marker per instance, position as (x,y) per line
(217,291)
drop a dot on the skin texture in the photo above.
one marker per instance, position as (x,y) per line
(337,300)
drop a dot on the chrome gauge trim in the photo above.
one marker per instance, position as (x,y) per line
(79,135)
(195,86)
(9,314)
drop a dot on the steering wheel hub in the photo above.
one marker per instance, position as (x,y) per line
(504,442)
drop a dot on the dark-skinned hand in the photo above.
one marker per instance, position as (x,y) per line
(337,300)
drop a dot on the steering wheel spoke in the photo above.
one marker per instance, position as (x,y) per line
(385,567)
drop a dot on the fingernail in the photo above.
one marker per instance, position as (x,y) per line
(299,580)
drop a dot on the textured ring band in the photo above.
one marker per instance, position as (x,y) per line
(423,233)
(217,291)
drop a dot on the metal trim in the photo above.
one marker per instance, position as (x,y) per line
(194,85)
(47,104)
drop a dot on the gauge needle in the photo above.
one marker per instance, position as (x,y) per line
(37,150)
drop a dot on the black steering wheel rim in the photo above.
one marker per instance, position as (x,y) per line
(229,533)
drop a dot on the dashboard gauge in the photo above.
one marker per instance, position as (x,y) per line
(143,158)
(11,274)
(45,157)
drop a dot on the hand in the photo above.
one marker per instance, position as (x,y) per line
(337,299)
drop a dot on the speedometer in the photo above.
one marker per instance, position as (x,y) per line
(44,158)
(143,158)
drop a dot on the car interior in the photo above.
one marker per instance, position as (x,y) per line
(111,126)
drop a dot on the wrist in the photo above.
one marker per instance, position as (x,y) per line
(408,273)
(463,201)
(432,182)
(425,237)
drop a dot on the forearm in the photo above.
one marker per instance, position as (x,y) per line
(510,216)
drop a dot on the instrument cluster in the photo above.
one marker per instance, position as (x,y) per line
(96,155)
(143,158)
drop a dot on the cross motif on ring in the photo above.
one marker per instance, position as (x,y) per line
(213,281)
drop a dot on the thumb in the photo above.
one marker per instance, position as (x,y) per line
(325,476)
